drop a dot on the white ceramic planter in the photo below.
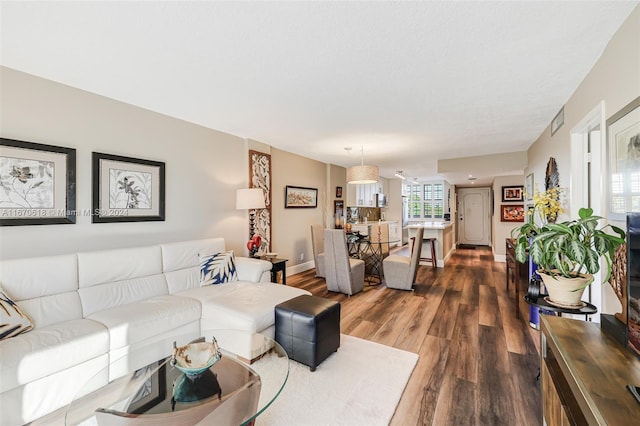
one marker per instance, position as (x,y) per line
(565,292)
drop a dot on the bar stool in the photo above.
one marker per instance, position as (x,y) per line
(432,259)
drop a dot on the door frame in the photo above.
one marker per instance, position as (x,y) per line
(579,186)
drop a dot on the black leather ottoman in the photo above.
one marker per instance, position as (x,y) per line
(308,328)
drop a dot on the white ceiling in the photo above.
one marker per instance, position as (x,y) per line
(411,82)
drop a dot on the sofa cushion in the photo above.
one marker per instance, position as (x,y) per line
(112,278)
(12,320)
(241,305)
(138,321)
(218,268)
(184,254)
(47,350)
(45,288)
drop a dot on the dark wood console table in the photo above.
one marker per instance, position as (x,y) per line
(517,272)
(584,375)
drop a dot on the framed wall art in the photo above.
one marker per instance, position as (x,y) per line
(260,177)
(127,189)
(512,213)
(558,121)
(528,187)
(338,192)
(300,197)
(37,184)
(623,146)
(512,193)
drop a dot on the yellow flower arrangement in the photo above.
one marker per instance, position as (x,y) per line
(547,204)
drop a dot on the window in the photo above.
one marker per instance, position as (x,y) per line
(426,200)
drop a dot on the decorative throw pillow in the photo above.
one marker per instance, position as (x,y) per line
(12,320)
(218,268)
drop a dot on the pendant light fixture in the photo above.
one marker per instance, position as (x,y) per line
(400,175)
(362,173)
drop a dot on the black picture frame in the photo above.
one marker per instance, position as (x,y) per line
(513,193)
(142,200)
(338,192)
(296,197)
(33,173)
(154,391)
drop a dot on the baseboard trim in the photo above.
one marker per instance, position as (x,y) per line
(300,267)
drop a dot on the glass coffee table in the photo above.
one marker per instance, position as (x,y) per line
(231,392)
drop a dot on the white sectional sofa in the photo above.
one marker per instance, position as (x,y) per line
(93,307)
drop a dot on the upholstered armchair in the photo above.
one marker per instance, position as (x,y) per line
(343,274)
(400,271)
(317,242)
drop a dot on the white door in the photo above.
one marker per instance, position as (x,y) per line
(474,216)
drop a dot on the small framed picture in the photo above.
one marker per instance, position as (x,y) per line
(300,197)
(127,189)
(338,192)
(512,213)
(512,193)
(528,187)
(558,121)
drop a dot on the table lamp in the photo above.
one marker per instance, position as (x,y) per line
(250,199)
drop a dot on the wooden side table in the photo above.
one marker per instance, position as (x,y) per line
(279,265)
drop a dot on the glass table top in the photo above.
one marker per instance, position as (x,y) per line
(232,391)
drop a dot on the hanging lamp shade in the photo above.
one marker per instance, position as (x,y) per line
(362,173)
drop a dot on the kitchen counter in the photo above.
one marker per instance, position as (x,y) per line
(430,225)
(443,232)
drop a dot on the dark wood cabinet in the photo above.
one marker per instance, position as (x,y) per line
(584,375)
(517,275)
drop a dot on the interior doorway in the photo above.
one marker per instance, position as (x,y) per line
(474,216)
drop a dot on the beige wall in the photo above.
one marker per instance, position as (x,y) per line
(615,81)
(502,230)
(204,167)
(292,227)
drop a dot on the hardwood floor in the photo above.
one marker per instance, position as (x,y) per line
(477,365)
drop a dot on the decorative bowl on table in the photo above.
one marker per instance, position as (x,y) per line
(195,357)
(270,255)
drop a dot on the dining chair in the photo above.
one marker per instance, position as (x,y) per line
(317,243)
(343,274)
(400,271)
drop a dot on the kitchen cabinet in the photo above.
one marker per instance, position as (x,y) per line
(366,194)
(395,233)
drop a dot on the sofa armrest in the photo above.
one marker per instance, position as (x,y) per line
(253,270)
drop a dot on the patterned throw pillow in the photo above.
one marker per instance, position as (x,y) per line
(12,320)
(218,268)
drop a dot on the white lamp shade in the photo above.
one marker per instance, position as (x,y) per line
(362,174)
(251,198)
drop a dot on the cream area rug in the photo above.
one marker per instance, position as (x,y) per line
(360,384)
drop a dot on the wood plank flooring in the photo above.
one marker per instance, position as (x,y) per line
(477,365)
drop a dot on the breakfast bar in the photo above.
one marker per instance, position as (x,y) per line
(443,232)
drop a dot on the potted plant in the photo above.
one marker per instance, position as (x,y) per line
(567,253)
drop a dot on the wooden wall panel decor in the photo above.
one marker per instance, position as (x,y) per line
(260,177)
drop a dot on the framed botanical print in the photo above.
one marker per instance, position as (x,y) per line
(127,189)
(37,184)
